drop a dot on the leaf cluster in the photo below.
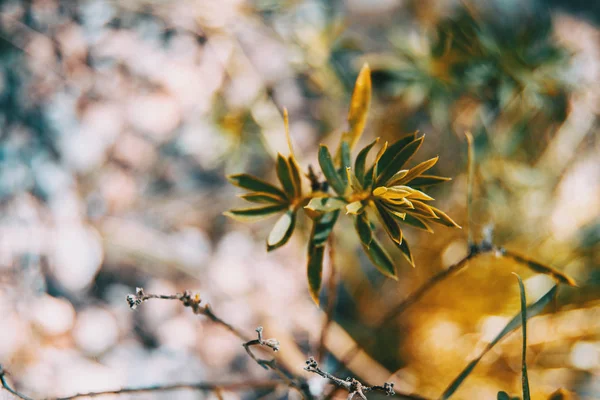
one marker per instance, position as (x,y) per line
(386,189)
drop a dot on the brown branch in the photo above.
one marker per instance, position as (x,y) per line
(332,290)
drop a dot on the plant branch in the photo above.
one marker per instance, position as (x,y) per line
(332,291)
(8,388)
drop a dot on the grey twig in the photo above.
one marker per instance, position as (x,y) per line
(353,386)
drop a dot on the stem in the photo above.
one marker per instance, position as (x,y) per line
(332,289)
(470,178)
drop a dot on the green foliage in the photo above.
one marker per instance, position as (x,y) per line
(524,378)
(385,190)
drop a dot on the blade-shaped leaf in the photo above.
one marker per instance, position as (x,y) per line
(282,230)
(544,269)
(381,259)
(394,149)
(361,159)
(372,172)
(344,162)
(264,198)
(255,184)
(325,204)
(252,214)
(363,228)
(359,107)
(406,252)
(532,310)
(399,160)
(316,249)
(415,172)
(331,174)
(444,219)
(524,378)
(296,176)
(428,180)
(355,208)
(389,223)
(417,222)
(284,173)
(355,185)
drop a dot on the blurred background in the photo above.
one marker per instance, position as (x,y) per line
(119,121)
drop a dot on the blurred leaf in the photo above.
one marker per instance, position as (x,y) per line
(372,172)
(325,204)
(406,252)
(345,162)
(524,378)
(394,149)
(326,163)
(532,310)
(560,394)
(296,176)
(255,184)
(503,396)
(389,224)
(428,180)
(373,248)
(284,173)
(359,107)
(355,185)
(361,159)
(257,197)
(537,267)
(282,230)
(251,214)
(363,229)
(399,160)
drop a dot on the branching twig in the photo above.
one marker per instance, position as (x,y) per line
(353,386)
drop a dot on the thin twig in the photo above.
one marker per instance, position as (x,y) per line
(470,177)
(332,291)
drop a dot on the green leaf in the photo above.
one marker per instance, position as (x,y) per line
(314,270)
(381,259)
(263,198)
(524,378)
(532,310)
(443,218)
(363,229)
(406,252)
(284,174)
(394,149)
(389,223)
(282,230)
(372,172)
(344,163)
(359,107)
(361,160)
(428,180)
(316,248)
(355,185)
(255,184)
(355,208)
(325,204)
(399,160)
(252,214)
(296,175)
(326,163)
(417,222)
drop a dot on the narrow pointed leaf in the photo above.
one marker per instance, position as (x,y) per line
(344,163)
(394,149)
(284,174)
(381,259)
(282,230)
(417,171)
(389,223)
(316,250)
(372,172)
(532,310)
(399,160)
(355,185)
(361,159)
(296,176)
(325,204)
(252,214)
(428,180)
(363,228)
(424,209)
(524,378)
(261,197)
(543,269)
(406,252)
(255,184)
(359,107)
(329,170)
(417,222)
(444,219)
